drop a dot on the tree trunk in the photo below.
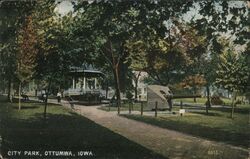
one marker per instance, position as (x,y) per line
(107,90)
(208,96)
(207,108)
(195,94)
(136,86)
(9,90)
(117,87)
(46,104)
(233,104)
(46,99)
(208,103)
(19,94)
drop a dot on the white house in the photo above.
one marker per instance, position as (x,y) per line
(141,85)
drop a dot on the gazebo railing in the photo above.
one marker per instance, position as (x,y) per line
(71,91)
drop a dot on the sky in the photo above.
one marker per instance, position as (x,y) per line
(64,7)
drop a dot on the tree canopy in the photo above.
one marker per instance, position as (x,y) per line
(170,40)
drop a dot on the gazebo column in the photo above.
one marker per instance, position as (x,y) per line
(95,82)
(73,83)
(84,82)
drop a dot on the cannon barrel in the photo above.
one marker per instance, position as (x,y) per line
(185,96)
(171,96)
(181,96)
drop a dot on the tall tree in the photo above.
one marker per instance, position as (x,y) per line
(103,25)
(233,74)
(194,83)
(218,18)
(26,53)
(107,25)
(12,16)
(51,60)
(165,59)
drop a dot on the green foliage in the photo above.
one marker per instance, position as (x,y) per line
(213,24)
(193,83)
(129,95)
(12,17)
(215,100)
(118,37)
(26,51)
(54,57)
(165,59)
(7,61)
(103,28)
(233,73)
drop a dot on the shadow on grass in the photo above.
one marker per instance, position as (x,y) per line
(3,99)
(32,102)
(236,110)
(237,139)
(223,109)
(209,113)
(67,132)
(26,107)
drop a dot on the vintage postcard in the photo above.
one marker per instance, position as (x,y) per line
(124,79)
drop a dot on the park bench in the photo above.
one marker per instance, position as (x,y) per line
(25,97)
(41,98)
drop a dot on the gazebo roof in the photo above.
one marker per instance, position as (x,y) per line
(89,72)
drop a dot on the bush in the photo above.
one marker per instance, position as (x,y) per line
(238,101)
(215,100)
(247,95)
(129,95)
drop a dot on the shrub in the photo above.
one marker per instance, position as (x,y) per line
(238,101)
(216,100)
(248,97)
(129,95)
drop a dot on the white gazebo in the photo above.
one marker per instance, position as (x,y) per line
(84,81)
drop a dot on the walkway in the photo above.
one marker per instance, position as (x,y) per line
(172,144)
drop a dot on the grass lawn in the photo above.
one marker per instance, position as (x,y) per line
(63,130)
(216,126)
(137,106)
(201,100)
(124,107)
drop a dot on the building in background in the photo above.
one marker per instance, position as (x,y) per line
(139,82)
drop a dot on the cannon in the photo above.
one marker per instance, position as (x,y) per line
(163,96)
